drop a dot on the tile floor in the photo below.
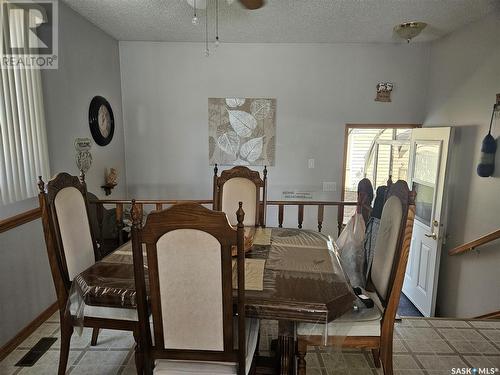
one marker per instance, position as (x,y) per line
(421,346)
(407,308)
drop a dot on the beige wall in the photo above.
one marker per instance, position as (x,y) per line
(318,87)
(88,66)
(464,78)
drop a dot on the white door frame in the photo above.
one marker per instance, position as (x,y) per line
(439,206)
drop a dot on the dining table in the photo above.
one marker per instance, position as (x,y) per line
(301,280)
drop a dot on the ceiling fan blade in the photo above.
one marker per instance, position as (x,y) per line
(252,4)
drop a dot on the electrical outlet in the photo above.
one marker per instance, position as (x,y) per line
(329,186)
(310,163)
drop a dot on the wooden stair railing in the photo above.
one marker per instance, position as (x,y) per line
(160,204)
(300,212)
(476,243)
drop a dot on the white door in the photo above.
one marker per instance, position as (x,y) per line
(427,175)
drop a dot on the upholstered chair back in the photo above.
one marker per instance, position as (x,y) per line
(190,288)
(240,184)
(190,276)
(74,229)
(71,247)
(240,189)
(386,245)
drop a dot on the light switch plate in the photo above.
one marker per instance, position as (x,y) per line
(310,163)
(329,186)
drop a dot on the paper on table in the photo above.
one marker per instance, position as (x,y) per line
(262,236)
(299,259)
(254,274)
(291,238)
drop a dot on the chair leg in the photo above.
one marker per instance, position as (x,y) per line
(376,357)
(66,332)
(95,335)
(301,353)
(387,358)
(139,355)
(387,365)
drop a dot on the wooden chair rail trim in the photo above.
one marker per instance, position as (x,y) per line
(473,244)
(20,219)
(491,315)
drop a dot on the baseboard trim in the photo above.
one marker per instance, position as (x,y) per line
(26,331)
(492,315)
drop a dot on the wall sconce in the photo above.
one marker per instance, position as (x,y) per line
(486,166)
(111,180)
(384,90)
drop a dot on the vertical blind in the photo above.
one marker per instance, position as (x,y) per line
(23,138)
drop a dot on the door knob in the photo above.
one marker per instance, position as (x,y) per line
(432,235)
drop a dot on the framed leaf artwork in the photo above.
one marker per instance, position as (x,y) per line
(241,131)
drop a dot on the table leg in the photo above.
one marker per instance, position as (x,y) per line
(286,348)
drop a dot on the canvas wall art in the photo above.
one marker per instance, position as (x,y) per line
(241,131)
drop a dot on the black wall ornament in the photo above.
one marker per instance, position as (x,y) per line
(486,166)
(101,121)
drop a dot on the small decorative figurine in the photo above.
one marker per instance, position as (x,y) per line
(112,177)
(111,180)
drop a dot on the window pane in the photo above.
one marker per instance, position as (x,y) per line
(383,165)
(362,160)
(403,134)
(400,161)
(423,203)
(426,162)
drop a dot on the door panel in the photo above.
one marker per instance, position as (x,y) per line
(423,268)
(427,176)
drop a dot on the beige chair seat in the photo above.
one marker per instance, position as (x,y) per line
(105,312)
(364,322)
(172,367)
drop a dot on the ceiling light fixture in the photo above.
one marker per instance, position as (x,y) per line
(217,41)
(207,51)
(409,30)
(194,20)
(208,5)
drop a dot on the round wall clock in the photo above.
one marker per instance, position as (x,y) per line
(101,121)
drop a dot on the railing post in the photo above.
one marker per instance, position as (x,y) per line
(301,215)
(264,199)
(100,217)
(215,189)
(119,222)
(159,206)
(321,212)
(281,212)
(140,210)
(340,219)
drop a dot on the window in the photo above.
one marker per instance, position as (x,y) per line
(23,140)
(375,152)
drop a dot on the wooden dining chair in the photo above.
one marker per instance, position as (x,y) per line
(190,277)
(71,249)
(241,184)
(372,328)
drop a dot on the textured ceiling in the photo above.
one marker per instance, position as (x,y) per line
(282,21)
